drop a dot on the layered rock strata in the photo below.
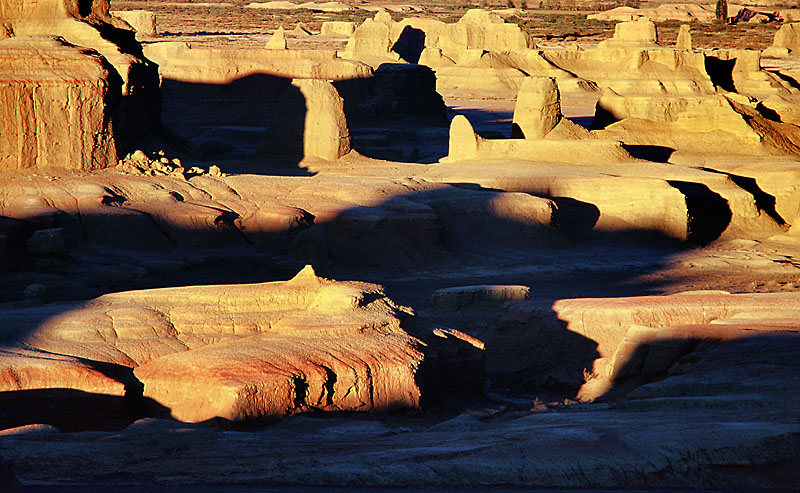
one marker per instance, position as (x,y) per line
(235,352)
(55,100)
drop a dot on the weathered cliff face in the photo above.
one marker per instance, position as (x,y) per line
(132,100)
(55,102)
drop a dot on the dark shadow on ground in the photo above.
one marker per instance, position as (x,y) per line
(654,153)
(254,124)
(413,244)
(704,366)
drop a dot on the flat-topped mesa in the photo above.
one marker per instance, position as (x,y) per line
(483,30)
(53,97)
(89,24)
(179,61)
(640,33)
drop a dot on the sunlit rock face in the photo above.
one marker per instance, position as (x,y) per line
(309,122)
(55,105)
(536,296)
(235,352)
(605,342)
(131,98)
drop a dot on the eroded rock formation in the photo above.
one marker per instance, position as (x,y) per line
(608,336)
(134,104)
(55,103)
(309,122)
(233,352)
(786,42)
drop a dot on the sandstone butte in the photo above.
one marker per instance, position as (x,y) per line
(570,321)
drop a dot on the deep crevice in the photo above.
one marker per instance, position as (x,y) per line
(300,391)
(329,385)
(764,202)
(721,72)
(709,214)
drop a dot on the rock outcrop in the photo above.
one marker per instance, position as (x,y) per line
(309,122)
(135,103)
(236,352)
(371,43)
(465,144)
(481,30)
(684,39)
(681,12)
(54,99)
(186,63)
(338,29)
(277,41)
(398,91)
(786,42)
(142,21)
(640,33)
(538,108)
(383,39)
(607,339)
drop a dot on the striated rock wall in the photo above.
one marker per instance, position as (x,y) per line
(55,103)
(134,103)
